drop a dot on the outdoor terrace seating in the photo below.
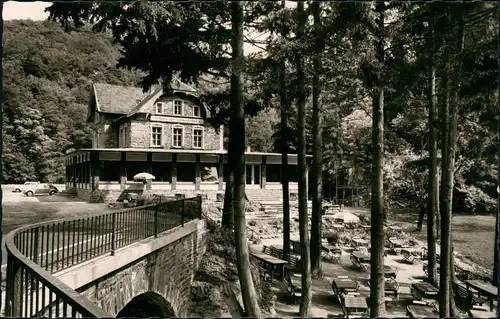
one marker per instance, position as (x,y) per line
(354,306)
(411,254)
(293,285)
(268,262)
(425,292)
(466,297)
(421,310)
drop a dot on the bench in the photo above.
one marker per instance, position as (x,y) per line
(275,252)
(266,250)
(269,262)
(292,290)
(293,261)
(466,297)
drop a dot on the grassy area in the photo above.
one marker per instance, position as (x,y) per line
(473,235)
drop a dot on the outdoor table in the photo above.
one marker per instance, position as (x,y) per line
(360,256)
(331,249)
(420,311)
(354,305)
(338,227)
(389,272)
(409,253)
(394,228)
(484,288)
(424,290)
(359,242)
(271,261)
(397,243)
(344,285)
(479,312)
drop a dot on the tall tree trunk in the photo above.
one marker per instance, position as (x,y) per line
(238,114)
(305,303)
(433,172)
(317,167)
(496,259)
(377,294)
(445,202)
(437,216)
(446,303)
(453,131)
(284,152)
(228,211)
(453,307)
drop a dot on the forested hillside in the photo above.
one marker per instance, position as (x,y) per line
(47,79)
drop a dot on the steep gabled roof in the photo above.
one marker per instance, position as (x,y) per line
(146,103)
(177,85)
(117,99)
(130,100)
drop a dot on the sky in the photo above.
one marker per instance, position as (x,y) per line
(25,10)
(13,10)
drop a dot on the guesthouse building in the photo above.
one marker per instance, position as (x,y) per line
(165,132)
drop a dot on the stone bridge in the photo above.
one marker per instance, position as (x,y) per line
(147,277)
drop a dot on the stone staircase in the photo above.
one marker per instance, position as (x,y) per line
(264,195)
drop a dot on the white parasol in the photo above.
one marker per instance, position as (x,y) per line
(346,217)
(143,176)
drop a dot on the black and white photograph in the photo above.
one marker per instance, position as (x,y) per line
(250,159)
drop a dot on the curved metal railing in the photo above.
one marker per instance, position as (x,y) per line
(35,253)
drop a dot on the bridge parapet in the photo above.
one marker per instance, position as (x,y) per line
(37,252)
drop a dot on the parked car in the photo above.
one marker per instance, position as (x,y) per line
(40,189)
(25,185)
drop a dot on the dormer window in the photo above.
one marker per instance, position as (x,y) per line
(196,111)
(177,107)
(159,108)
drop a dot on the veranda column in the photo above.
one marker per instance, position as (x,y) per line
(85,171)
(149,169)
(263,173)
(95,169)
(174,172)
(197,171)
(82,172)
(74,175)
(252,171)
(220,172)
(123,170)
(66,170)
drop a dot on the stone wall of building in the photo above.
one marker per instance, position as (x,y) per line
(168,271)
(110,195)
(140,135)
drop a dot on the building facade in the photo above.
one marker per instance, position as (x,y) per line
(167,134)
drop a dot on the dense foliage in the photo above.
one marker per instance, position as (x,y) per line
(55,69)
(47,80)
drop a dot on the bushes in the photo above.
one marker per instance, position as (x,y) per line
(332,237)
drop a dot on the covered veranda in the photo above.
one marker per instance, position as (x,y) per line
(174,169)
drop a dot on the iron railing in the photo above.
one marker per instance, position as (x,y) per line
(36,252)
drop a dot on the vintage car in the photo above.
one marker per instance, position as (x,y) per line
(40,189)
(19,189)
